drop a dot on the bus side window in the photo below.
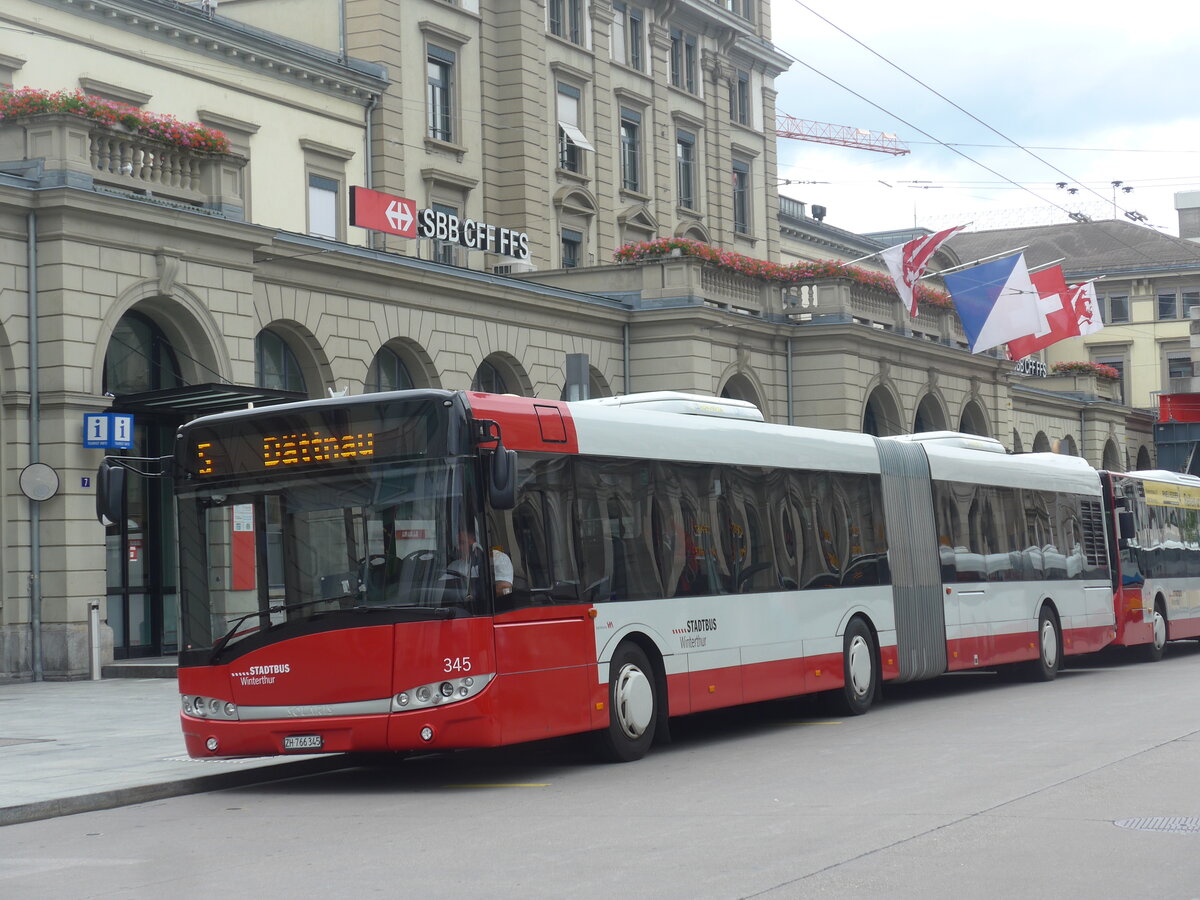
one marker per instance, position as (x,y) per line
(667,536)
(789,539)
(589,539)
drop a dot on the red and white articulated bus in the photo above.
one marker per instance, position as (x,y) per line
(432,569)
(1154,541)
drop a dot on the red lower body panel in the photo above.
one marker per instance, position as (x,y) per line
(1002,649)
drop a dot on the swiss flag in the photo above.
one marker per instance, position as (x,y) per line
(1056,302)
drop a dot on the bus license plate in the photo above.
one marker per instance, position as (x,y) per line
(302,742)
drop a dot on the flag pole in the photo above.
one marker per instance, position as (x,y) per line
(877,252)
(864,258)
(975,262)
(1054,262)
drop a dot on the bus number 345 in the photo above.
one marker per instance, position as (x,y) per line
(457,664)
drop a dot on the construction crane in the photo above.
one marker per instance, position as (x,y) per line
(840,135)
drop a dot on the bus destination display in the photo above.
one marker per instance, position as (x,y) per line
(300,448)
(292,443)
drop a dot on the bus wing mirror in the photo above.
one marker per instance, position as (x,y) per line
(565,592)
(559,592)
(502,478)
(110,492)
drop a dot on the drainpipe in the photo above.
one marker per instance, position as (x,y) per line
(368,175)
(35,455)
(369,167)
(625,343)
(788,370)
(342,31)
(1082,439)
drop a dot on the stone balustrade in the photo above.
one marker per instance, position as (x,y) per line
(686,280)
(83,153)
(1083,385)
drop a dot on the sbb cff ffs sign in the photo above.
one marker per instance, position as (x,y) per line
(399,215)
(383,212)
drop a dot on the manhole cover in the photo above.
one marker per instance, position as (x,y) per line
(1172,824)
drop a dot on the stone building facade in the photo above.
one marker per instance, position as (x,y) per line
(133,291)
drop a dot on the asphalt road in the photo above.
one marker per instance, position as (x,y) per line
(1087,787)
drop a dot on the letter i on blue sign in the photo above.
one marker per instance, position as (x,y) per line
(122,431)
(95,430)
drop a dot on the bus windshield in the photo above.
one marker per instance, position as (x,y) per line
(279,558)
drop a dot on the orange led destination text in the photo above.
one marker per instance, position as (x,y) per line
(314,447)
(206,466)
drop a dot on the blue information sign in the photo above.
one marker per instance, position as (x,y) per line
(108,431)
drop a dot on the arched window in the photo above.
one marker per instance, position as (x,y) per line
(388,373)
(139,358)
(739,387)
(275,365)
(929,416)
(489,380)
(880,416)
(1112,457)
(973,420)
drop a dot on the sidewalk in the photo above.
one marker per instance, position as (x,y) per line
(76,746)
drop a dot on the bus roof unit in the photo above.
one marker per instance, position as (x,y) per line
(685,404)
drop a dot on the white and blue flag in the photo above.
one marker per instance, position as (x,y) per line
(997,303)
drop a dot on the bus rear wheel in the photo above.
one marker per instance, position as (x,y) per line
(1153,651)
(860,666)
(632,706)
(1049,642)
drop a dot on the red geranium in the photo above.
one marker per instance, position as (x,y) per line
(18,102)
(794,273)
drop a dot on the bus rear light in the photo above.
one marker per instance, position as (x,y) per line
(440,693)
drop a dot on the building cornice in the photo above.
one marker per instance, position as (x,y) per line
(191,30)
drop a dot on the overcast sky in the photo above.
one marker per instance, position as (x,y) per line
(1117,81)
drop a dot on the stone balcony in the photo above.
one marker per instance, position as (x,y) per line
(77,152)
(687,281)
(846,300)
(1082,386)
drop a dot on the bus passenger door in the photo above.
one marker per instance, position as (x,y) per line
(542,681)
(544,636)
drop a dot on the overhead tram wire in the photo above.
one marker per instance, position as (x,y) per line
(942,96)
(1073,149)
(952,148)
(917,128)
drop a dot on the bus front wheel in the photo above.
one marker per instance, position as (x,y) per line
(632,706)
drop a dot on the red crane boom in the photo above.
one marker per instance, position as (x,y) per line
(839,135)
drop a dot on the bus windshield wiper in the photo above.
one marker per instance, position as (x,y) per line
(431,612)
(278,608)
(437,612)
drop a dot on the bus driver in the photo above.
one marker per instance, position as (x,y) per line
(468,548)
